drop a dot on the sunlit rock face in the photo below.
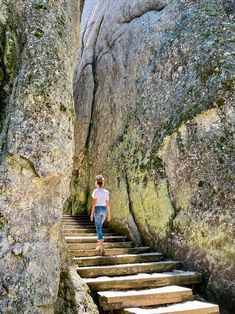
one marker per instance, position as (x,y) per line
(154,96)
(38,43)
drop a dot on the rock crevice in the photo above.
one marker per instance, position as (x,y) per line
(163,112)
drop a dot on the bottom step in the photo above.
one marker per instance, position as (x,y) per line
(191,307)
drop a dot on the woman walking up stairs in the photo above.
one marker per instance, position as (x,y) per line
(100,209)
(129,279)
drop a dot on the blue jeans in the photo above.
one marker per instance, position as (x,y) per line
(100,215)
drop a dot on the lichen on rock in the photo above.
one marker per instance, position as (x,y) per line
(154,112)
(157,119)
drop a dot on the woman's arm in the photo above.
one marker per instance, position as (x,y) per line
(109,212)
(92,209)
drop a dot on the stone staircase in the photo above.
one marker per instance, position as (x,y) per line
(130,279)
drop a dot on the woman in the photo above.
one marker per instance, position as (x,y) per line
(100,209)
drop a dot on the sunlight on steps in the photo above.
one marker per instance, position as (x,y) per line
(133,280)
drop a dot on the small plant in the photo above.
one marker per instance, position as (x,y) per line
(190,89)
(39,6)
(60,20)
(223,140)
(228,85)
(62,108)
(228,179)
(201,184)
(60,33)
(220,160)
(39,33)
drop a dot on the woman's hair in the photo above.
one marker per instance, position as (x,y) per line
(99,180)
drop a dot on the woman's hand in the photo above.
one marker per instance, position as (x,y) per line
(93,204)
(109,211)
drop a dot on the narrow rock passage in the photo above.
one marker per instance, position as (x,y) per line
(130,279)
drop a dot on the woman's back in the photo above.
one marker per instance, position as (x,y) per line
(101,196)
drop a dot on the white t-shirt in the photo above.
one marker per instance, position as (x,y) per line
(101,196)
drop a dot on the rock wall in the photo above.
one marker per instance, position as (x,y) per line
(154,96)
(38,44)
(73,295)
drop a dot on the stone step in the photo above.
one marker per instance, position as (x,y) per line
(84,234)
(118,259)
(84,230)
(80,246)
(79,215)
(77,227)
(78,223)
(76,217)
(143,280)
(108,252)
(190,307)
(64,221)
(127,269)
(77,239)
(114,300)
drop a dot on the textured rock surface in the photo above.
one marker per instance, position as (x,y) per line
(74,294)
(38,43)
(154,94)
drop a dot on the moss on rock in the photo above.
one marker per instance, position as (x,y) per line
(158,121)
